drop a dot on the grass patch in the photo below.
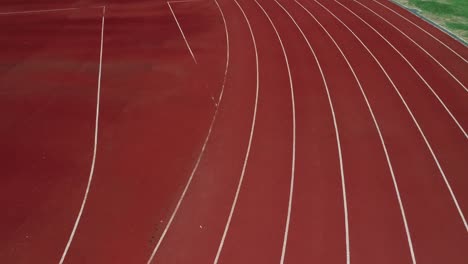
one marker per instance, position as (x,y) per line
(449,8)
(452,14)
(461,26)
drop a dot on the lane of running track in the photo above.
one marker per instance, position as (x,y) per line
(156,111)
(199,223)
(264,191)
(145,101)
(446,141)
(48,85)
(374,214)
(298,132)
(424,193)
(246,225)
(445,84)
(431,36)
(454,61)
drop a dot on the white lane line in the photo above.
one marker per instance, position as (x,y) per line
(90,179)
(382,141)
(182,32)
(184,1)
(427,142)
(241,179)
(425,51)
(412,117)
(338,142)
(227,50)
(432,36)
(412,67)
(293,167)
(46,10)
(195,168)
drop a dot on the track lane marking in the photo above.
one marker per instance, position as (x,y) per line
(184,1)
(291,190)
(48,10)
(432,36)
(414,69)
(231,213)
(227,51)
(389,163)
(208,136)
(412,117)
(343,185)
(182,32)
(90,179)
(425,51)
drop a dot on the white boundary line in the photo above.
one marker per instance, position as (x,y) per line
(425,51)
(182,32)
(412,116)
(419,14)
(77,221)
(438,40)
(293,167)
(389,163)
(47,10)
(195,168)
(184,1)
(338,142)
(420,130)
(412,67)
(227,51)
(218,253)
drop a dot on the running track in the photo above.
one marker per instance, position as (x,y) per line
(231,131)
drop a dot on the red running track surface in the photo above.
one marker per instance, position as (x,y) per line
(231,131)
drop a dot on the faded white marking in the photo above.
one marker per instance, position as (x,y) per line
(195,168)
(182,33)
(218,253)
(90,179)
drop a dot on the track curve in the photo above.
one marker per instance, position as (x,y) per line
(245,131)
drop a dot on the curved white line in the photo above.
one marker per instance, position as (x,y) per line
(241,179)
(411,65)
(425,51)
(338,142)
(90,179)
(184,1)
(382,141)
(427,143)
(291,190)
(227,51)
(195,168)
(412,117)
(432,36)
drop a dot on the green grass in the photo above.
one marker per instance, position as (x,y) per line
(448,8)
(452,14)
(460,26)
